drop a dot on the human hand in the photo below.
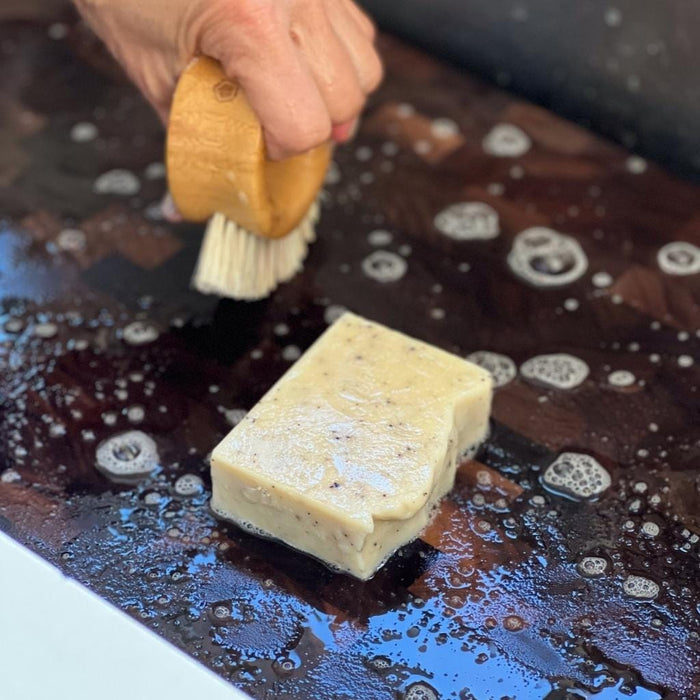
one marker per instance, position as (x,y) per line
(306,66)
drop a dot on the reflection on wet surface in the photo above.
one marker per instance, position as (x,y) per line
(116,382)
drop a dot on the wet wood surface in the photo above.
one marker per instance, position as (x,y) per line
(494,600)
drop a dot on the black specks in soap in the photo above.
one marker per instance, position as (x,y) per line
(334,485)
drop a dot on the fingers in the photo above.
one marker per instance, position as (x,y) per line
(365,23)
(256,49)
(329,61)
(344,132)
(306,66)
(357,35)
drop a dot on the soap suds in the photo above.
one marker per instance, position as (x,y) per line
(506,141)
(559,370)
(501,367)
(127,456)
(468,221)
(546,258)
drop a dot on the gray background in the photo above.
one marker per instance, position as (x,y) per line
(628,69)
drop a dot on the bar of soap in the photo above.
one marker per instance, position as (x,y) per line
(346,457)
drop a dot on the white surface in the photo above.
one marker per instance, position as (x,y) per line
(59,640)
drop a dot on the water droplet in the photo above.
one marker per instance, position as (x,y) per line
(636,165)
(291,353)
(363,154)
(154,171)
(685,361)
(135,414)
(83,132)
(333,312)
(602,279)
(58,31)
(612,17)
(333,175)
(235,415)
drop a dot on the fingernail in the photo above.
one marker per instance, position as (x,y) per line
(345,132)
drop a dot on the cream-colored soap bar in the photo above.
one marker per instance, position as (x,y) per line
(347,455)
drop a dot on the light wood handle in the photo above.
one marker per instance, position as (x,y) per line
(216,162)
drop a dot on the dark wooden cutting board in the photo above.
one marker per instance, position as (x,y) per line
(491,601)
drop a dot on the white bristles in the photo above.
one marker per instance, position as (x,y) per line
(236,263)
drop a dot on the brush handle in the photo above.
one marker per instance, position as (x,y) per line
(216,162)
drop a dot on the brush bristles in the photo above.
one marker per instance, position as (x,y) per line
(236,263)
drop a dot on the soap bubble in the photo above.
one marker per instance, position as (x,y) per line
(621,378)
(636,165)
(444,128)
(513,623)
(685,361)
(380,237)
(468,221)
(640,588)
(140,333)
(506,141)
(602,279)
(592,567)
(333,312)
(578,476)
(10,476)
(559,370)
(384,266)
(83,132)
(189,485)
(45,330)
(14,325)
(235,415)
(679,258)
(127,456)
(155,171)
(421,691)
(501,367)
(118,181)
(650,528)
(546,258)
(290,353)
(71,240)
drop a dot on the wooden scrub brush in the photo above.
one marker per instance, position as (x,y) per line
(261,212)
